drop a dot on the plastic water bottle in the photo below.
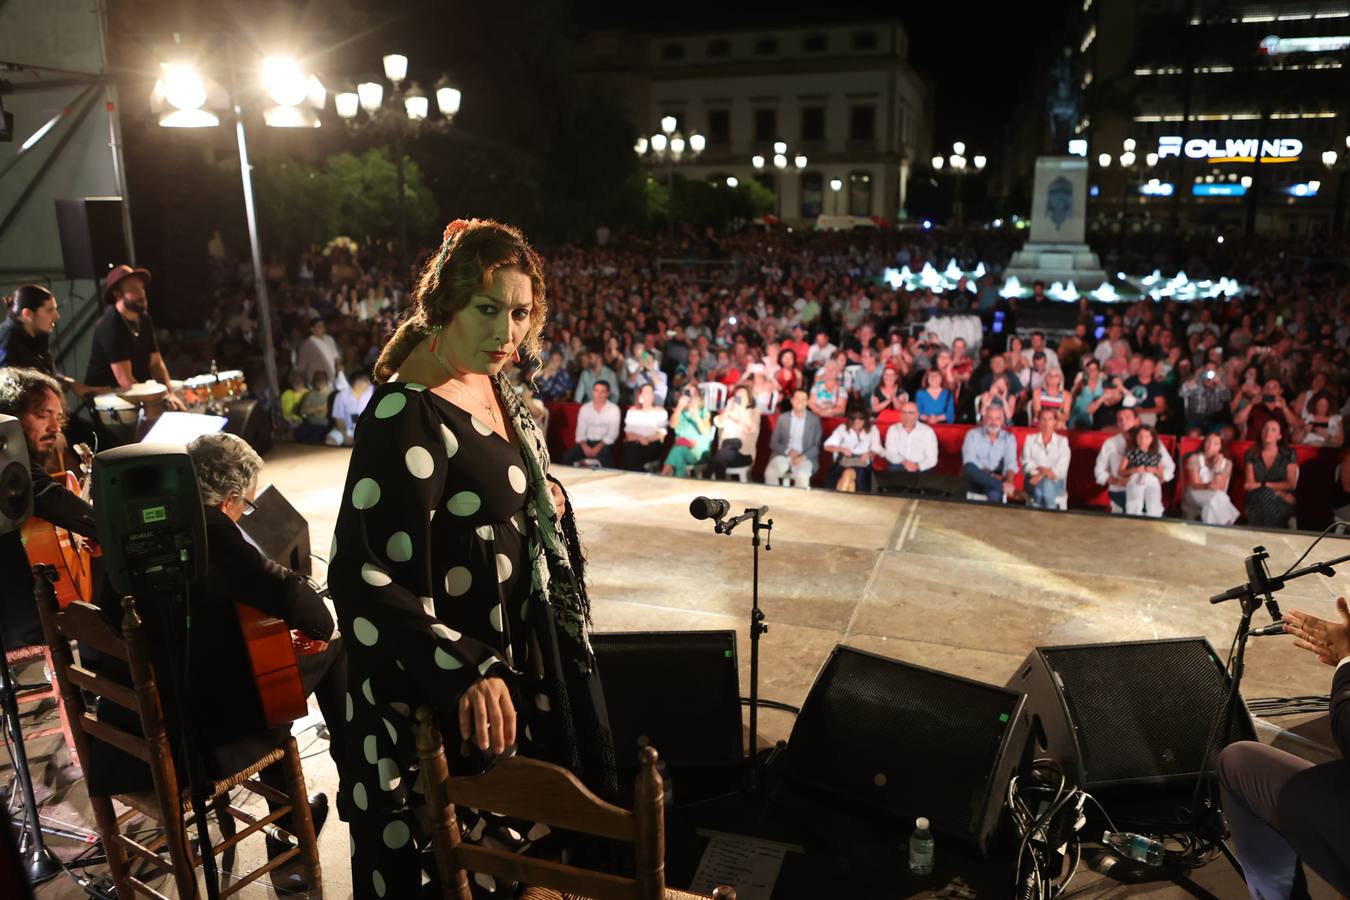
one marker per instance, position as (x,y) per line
(921,848)
(1138,847)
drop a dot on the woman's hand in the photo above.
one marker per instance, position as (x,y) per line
(559,498)
(1329,641)
(486,715)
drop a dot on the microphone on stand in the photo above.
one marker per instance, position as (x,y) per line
(705,508)
(1267,631)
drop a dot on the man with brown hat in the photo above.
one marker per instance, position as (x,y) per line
(125,350)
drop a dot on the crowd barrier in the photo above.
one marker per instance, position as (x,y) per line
(1317,465)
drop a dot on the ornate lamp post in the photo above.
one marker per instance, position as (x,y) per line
(780,162)
(961,167)
(669,147)
(405,116)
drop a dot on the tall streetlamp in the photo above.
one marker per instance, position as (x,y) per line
(781,162)
(406,115)
(1335,161)
(836,185)
(670,148)
(1129,164)
(961,166)
(185,98)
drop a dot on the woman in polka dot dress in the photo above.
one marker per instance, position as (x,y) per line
(452,570)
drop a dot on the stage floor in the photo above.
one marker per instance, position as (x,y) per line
(962,588)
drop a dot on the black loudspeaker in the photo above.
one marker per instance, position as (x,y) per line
(250,421)
(93,238)
(910,741)
(16,484)
(678,691)
(151,526)
(279,531)
(1127,715)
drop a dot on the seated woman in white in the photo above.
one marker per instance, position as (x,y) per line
(1207,473)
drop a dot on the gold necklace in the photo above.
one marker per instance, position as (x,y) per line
(487,406)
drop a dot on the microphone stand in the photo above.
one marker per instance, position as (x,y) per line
(757,627)
(1260,588)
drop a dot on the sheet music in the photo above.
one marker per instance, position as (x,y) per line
(748,864)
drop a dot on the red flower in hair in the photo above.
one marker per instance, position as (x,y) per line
(454,228)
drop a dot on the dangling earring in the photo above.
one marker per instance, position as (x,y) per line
(516,357)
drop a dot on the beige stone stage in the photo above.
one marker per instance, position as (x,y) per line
(963,588)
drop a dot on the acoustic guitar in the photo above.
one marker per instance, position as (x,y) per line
(271,654)
(69,554)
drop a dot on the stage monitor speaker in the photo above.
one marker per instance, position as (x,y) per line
(279,531)
(910,741)
(1127,715)
(151,525)
(250,420)
(16,484)
(678,691)
(93,238)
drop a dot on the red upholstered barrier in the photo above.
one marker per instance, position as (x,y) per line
(1317,465)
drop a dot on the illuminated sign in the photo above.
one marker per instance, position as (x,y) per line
(1308,189)
(1216,150)
(1156,188)
(1274,45)
(1218,190)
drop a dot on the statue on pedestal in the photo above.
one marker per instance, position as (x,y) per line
(1064,105)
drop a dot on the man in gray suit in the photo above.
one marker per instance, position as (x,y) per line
(795,445)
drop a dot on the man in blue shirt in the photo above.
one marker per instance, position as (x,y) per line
(989,457)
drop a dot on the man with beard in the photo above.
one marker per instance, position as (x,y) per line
(34,398)
(125,350)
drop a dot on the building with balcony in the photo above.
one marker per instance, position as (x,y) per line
(842,96)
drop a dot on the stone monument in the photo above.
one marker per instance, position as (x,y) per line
(1056,250)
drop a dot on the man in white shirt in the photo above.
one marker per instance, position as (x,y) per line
(1038,346)
(1107,468)
(911,446)
(597,429)
(821,351)
(1045,463)
(854,445)
(319,353)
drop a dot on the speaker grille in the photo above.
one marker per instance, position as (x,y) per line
(1143,711)
(907,739)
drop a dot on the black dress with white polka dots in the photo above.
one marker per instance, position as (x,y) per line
(431,576)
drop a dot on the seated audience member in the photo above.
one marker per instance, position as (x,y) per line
(1150,394)
(998,367)
(738,432)
(644,431)
(828,397)
(725,371)
(1282,809)
(1038,345)
(1270,407)
(1036,374)
(1206,400)
(597,429)
(935,402)
(1087,390)
(593,371)
(989,456)
(854,445)
(868,375)
(821,352)
(226,714)
(1143,473)
(1107,467)
(1114,398)
(888,394)
(795,444)
(911,445)
(764,390)
(348,405)
(692,425)
(1272,477)
(1045,461)
(553,381)
(788,376)
(1208,472)
(999,395)
(1050,395)
(1321,426)
(290,401)
(313,410)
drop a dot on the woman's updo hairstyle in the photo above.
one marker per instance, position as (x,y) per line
(471,252)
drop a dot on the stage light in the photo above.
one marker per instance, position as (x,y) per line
(284,81)
(396,67)
(371,94)
(348,104)
(183,87)
(448,100)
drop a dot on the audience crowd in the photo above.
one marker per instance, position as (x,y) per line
(681,355)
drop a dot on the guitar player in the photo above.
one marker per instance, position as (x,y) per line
(35,399)
(231,728)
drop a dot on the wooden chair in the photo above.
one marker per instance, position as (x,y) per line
(542,792)
(37,693)
(168,803)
